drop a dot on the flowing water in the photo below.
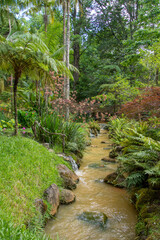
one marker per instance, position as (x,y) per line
(92,195)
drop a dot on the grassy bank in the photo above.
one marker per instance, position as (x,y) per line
(26,168)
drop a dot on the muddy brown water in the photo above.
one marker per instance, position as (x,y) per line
(94,195)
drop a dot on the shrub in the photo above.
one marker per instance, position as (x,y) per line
(75,135)
(141,152)
(143,106)
(26,118)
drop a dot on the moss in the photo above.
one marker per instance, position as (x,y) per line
(146,196)
(113,154)
(141,228)
(148,206)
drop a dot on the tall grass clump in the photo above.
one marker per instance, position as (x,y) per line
(8,231)
(75,139)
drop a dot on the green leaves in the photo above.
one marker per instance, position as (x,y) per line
(141,153)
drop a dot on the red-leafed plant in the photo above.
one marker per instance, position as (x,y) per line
(143,106)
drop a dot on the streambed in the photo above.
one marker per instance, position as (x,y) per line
(94,195)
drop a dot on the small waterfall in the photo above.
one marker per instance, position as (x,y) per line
(73,163)
(71,160)
(102,125)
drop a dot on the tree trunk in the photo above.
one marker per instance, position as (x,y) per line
(67,56)
(76,47)
(10,26)
(137,9)
(39,98)
(157,76)
(17,76)
(37,93)
(64,41)
(45,19)
(12,100)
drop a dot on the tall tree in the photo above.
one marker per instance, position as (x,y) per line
(25,54)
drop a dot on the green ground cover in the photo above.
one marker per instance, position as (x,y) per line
(26,168)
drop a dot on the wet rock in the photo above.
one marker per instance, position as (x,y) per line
(94,132)
(109,160)
(69,159)
(67,196)
(97,218)
(119,148)
(113,154)
(108,148)
(99,180)
(41,206)
(79,154)
(51,194)
(103,142)
(97,165)
(70,178)
(115,179)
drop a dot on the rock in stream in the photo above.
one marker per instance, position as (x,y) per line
(70,178)
(97,218)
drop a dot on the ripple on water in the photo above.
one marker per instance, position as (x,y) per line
(95,196)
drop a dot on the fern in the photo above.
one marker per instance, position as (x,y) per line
(135,179)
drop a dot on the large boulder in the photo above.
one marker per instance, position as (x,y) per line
(115,179)
(51,194)
(70,178)
(97,218)
(67,196)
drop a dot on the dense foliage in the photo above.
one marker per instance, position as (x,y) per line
(65,64)
(139,162)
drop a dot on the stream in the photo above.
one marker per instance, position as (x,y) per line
(94,195)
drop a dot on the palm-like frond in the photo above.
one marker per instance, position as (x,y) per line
(29,52)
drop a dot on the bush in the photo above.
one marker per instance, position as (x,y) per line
(26,118)
(75,135)
(143,106)
(140,159)
(5,96)
(3,116)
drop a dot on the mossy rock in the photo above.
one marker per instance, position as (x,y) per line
(113,154)
(115,179)
(97,218)
(146,196)
(97,165)
(109,160)
(99,180)
(148,205)
(141,230)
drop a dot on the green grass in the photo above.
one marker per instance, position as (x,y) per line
(10,232)
(26,169)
